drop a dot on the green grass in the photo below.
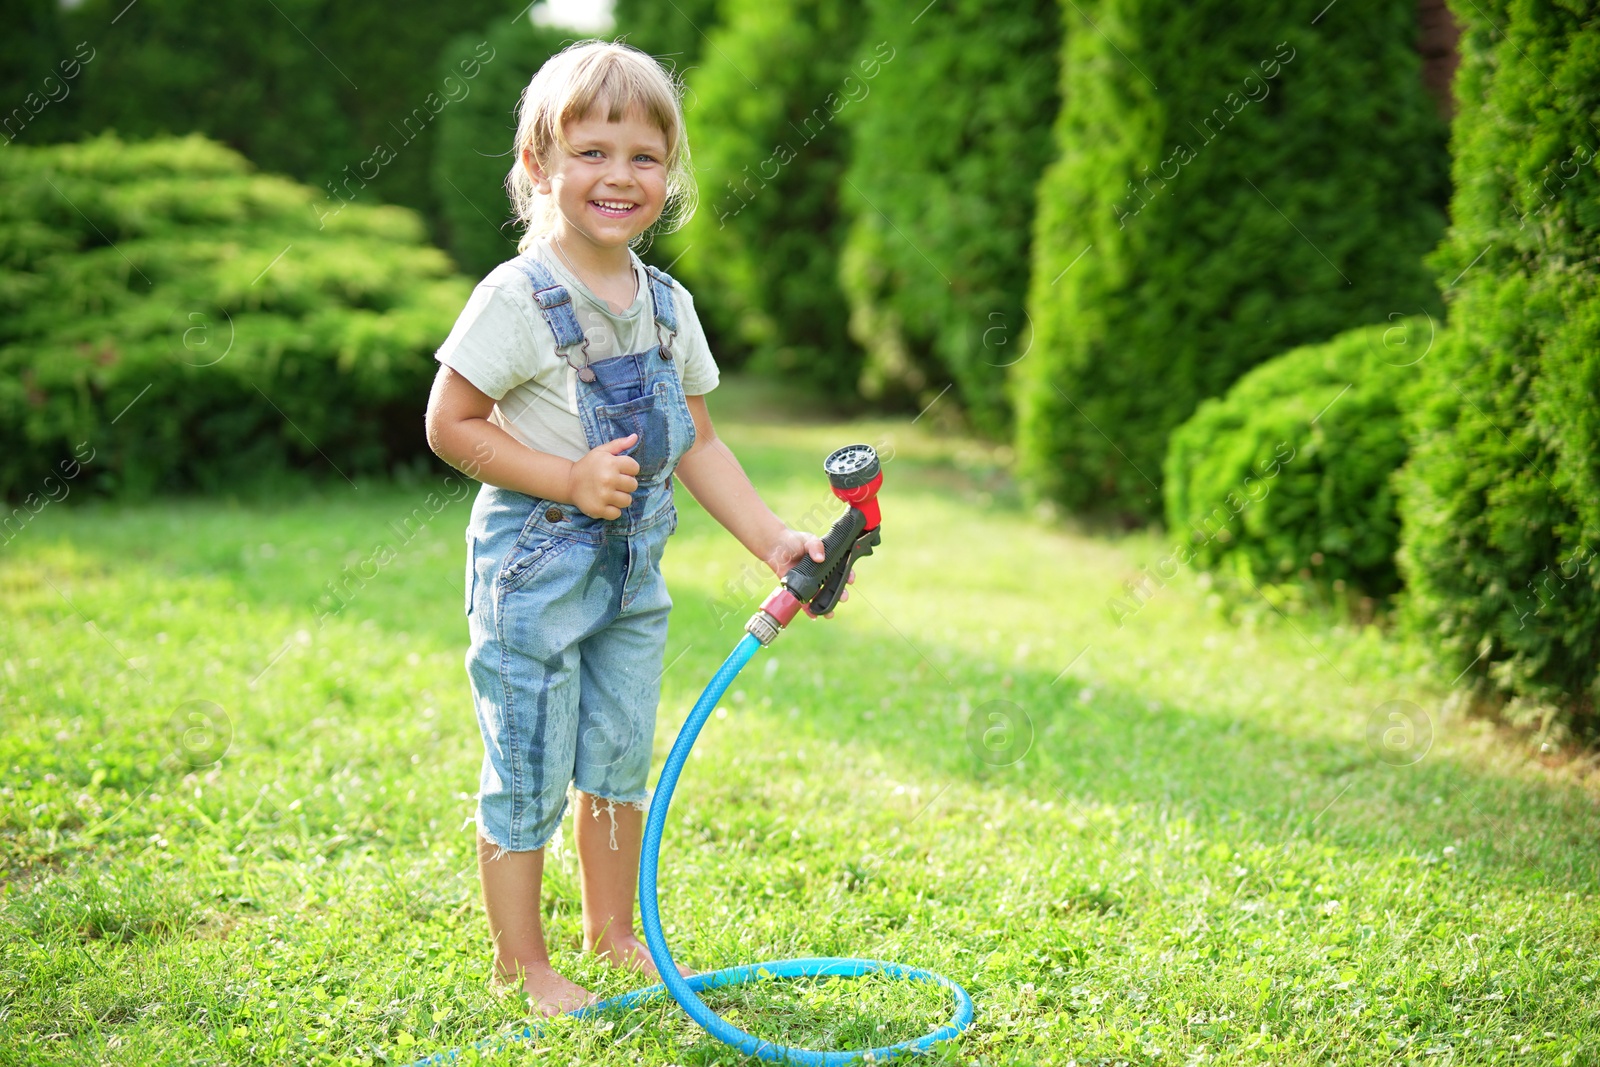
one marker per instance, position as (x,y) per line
(1196,857)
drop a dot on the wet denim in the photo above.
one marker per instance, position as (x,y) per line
(568,619)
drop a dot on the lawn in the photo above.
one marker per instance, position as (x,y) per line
(239,760)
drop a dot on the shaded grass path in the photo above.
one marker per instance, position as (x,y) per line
(1169,841)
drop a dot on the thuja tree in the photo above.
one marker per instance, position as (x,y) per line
(1501,499)
(947,147)
(1226,189)
(770,153)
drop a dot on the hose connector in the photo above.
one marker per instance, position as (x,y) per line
(780,607)
(763,628)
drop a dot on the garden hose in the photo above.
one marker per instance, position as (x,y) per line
(816,587)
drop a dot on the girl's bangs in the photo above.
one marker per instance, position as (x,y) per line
(611,88)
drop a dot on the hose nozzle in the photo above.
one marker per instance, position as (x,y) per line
(855,476)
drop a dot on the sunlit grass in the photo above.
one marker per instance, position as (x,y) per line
(1168,841)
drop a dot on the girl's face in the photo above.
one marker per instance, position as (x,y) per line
(611,186)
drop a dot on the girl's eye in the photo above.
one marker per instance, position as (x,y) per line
(590,152)
(645,158)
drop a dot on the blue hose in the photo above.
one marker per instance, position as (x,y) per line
(684,990)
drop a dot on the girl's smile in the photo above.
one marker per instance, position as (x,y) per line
(614,209)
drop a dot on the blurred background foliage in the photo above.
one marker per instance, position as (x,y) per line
(770,156)
(304,88)
(473,155)
(1146,243)
(940,189)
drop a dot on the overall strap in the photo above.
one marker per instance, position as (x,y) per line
(555,303)
(661,286)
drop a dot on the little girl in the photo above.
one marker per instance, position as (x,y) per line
(573,386)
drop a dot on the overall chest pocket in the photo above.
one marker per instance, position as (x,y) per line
(647,417)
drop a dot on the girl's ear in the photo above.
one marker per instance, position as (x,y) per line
(541,181)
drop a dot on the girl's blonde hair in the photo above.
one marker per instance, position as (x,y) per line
(612,79)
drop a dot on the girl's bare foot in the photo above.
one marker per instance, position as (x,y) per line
(548,993)
(629,953)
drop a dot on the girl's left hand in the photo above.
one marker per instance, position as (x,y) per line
(791,546)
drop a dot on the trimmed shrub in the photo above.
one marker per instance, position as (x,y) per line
(947,144)
(1287,477)
(1280,188)
(183,321)
(473,155)
(1501,499)
(762,252)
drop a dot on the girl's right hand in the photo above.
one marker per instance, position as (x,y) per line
(601,483)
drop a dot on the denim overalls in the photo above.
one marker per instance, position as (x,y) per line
(568,613)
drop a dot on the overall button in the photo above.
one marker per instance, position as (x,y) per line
(555,514)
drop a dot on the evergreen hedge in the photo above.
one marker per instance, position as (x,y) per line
(946,150)
(1501,501)
(1286,479)
(183,321)
(1280,187)
(762,252)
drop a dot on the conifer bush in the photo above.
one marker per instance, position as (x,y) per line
(1286,478)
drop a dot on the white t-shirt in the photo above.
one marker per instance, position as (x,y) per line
(502,344)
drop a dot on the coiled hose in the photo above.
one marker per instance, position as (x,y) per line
(684,990)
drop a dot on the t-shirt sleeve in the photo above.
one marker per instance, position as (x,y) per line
(700,373)
(491,344)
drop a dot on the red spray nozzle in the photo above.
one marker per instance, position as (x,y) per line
(856,475)
(815,587)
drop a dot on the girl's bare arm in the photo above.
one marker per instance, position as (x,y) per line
(710,471)
(460,433)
